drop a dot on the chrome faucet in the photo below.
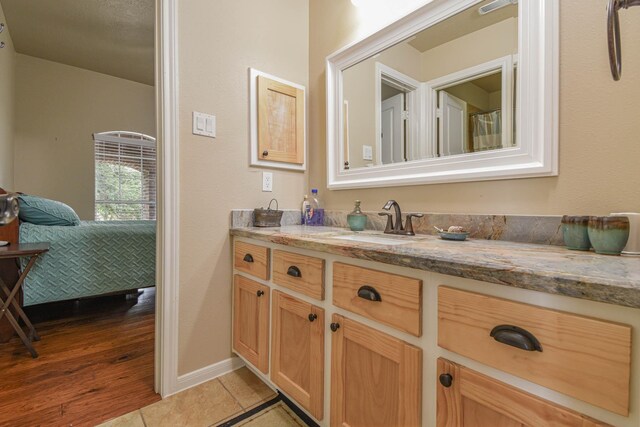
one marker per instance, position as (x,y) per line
(397,227)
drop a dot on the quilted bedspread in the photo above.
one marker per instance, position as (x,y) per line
(93,258)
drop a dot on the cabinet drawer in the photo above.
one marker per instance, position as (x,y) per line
(387,298)
(300,273)
(252,259)
(582,357)
(466,398)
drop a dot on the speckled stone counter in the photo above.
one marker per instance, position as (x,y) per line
(544,268)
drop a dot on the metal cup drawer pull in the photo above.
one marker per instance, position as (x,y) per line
(516,337)
(294,271)
(369,293)
(248,258)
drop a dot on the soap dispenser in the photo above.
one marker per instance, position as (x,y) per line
(356,219)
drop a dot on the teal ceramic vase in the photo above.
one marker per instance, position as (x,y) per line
(575,232)
(608,234)
(356,219)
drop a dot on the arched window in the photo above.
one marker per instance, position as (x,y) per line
(125,172)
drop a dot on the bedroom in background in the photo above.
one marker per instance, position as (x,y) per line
(78,140)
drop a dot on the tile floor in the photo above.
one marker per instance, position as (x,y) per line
(212,403)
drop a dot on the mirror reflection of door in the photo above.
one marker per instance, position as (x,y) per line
(393,129)
(470,115)
(453,125)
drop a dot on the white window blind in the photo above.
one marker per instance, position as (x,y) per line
(125,174)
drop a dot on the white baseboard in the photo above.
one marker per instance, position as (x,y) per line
(208,373)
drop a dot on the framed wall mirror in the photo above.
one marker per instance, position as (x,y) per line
(459,90)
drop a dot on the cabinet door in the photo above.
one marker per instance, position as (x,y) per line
(297,358)
(469,399)
(280,122)
(251,321)
(376,379)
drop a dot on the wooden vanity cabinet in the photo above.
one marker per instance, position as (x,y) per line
(297,351)
(251,259)
(376,379)
(251,321)
(583,357)
(466,398)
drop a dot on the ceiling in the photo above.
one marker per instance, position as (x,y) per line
(490,83)
(463,23)
(114,37)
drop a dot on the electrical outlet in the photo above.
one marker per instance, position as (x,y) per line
(267,181)
(367,152)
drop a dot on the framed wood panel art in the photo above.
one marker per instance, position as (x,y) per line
(278,122)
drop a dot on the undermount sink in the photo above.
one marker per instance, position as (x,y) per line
(380,240)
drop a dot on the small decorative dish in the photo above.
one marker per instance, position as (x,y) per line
(453,233)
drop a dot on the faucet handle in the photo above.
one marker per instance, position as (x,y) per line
(408,227)
(389,228)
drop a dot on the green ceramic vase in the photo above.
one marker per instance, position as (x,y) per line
(575,232)
(608,234)
(356,219)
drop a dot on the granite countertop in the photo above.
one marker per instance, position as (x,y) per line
(544,268)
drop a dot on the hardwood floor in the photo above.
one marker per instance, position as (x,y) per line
(96,363)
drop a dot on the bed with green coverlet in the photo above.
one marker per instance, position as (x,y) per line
(86,258)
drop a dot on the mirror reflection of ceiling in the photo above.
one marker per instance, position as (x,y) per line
(490,83)
(114,37)
(465,22)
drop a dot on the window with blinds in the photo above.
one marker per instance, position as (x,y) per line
(125,172)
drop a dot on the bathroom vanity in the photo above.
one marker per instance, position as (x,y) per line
(364,329)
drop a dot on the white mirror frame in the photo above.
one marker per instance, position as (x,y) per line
(537,119)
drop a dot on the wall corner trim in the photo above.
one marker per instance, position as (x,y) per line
(208,373)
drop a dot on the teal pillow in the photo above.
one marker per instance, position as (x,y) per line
(41,211)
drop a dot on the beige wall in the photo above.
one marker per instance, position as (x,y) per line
(218,42)
(599,128)
(58,108)
(7,93)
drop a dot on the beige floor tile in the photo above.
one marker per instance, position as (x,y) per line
(276,416)
(202,405)
(132,419)
(246,387)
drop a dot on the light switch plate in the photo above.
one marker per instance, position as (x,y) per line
(367,152)
(204,124)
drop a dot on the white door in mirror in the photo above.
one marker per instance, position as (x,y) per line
(453,128)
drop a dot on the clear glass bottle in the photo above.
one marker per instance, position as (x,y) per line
(305,211)
(317,211)
(356,219)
